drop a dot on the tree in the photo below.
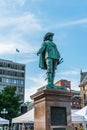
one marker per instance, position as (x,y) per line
(10,101)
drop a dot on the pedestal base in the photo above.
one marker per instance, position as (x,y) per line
(52,110)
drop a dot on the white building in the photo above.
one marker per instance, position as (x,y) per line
(12,74)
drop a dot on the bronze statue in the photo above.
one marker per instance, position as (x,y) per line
(49,57)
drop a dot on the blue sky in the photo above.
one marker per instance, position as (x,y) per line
(23,23)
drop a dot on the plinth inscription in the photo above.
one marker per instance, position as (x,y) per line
(58,117)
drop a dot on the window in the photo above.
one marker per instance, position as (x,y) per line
(22,82)
(0,79)
(1,64)
(7,80)
(0,71)
(84,96)
(8,65)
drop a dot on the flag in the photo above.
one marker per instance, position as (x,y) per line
(17,50)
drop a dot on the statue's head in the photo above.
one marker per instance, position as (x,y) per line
(47,36)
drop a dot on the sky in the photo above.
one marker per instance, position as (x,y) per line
(23,24)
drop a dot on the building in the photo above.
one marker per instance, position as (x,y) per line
(83,87)
(26,106)
(76,100)
(12,74)
(64,82)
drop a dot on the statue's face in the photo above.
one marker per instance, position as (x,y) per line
(51,38)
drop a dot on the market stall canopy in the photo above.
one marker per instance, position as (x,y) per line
(82,112)
(77,118)
(27,117)
(76,115)
(4,121)
(80,116)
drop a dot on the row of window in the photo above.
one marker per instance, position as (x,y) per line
(11,73)
(76,107)
(18,89)
(12,81)
(12,65)
(76,102)
(76,98)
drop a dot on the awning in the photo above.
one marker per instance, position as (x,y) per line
(28,117)
(4,121)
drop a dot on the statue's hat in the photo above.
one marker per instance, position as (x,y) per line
(47,35)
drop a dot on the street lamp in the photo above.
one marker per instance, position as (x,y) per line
(4,112)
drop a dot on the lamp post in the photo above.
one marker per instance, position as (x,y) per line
(4,112)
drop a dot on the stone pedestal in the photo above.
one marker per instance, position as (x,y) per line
(52,110)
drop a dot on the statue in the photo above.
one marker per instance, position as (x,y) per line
(49,57)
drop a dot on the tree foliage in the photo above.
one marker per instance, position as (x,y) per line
(10,101)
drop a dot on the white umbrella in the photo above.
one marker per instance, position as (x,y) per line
(4,121)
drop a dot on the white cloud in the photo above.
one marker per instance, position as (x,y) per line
(16,28)
(71,72)
(15,37)
(74,22)
(69,23)
(6,48)
(27,60)
(38,80)
(21,2)
(11,45)
(5,3)
(25,22)
(75,84)
(29,92)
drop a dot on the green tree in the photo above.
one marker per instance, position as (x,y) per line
(10,101)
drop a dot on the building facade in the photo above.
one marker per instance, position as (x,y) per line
(13,74)
(75,100)
(83,88)
(64,82)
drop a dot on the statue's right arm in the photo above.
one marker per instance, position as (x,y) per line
(41,49)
